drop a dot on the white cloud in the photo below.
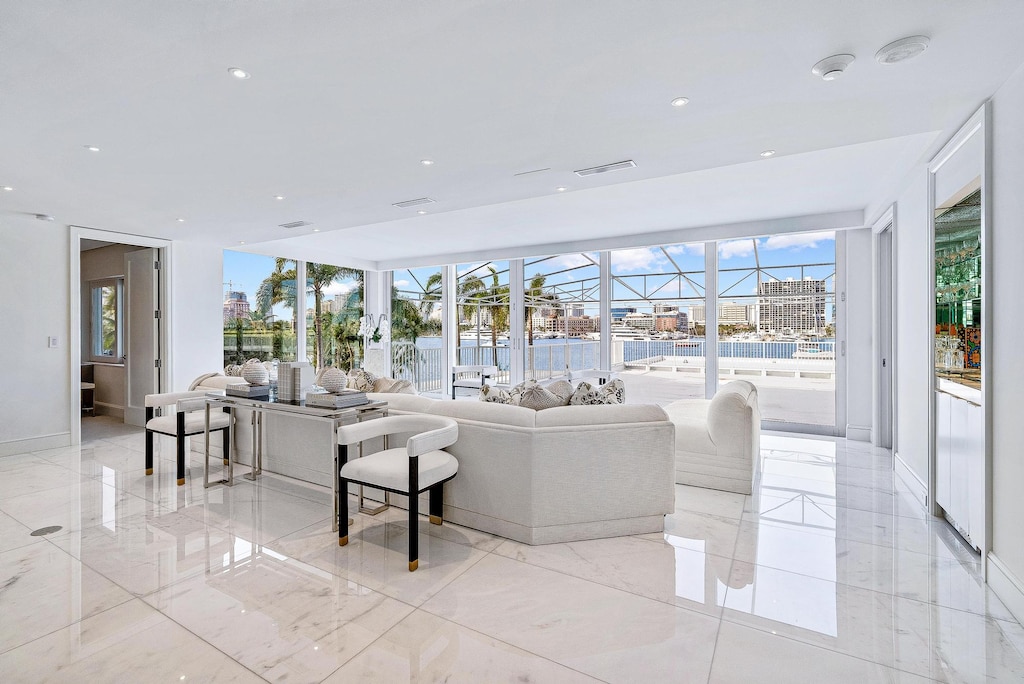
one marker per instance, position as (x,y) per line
(797,241)
(472,268)
(401,283)
(569,261)
(337,288)
(735,248)
(626,260)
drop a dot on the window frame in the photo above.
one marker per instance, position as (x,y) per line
(96,288)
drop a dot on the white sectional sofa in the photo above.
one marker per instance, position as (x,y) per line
(718,441)
(562,474)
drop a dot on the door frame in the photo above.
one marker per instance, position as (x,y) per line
(885,326)
(77,234)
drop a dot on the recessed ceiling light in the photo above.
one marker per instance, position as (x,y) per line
(561,189)
(680,101)
(241,242)
(279,197)
(7,188)
(180,220)
(238,73)
(316,230)
(427,162)
(901,50)
(768,153)
(832,67)
(91,148)
(421,211)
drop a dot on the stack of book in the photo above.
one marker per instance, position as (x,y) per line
(248,391)
(294,379)
(343,399)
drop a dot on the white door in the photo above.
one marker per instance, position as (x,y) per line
(886,407)
(142,375)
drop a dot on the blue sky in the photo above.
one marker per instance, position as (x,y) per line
(247,271)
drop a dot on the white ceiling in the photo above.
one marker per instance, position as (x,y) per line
(346,98)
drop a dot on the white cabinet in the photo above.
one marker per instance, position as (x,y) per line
(960,465)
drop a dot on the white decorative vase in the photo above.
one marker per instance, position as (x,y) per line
(333,380)
(255,373)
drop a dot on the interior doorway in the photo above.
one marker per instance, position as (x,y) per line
(118,328)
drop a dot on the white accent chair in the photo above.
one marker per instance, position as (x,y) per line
(474,377)
(187,418)
(718,441)
(419,466)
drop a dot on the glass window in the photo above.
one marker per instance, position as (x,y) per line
(482,302)
(107,319)
(416,353)
(776,322)
(259,308)
(563,314)
(657,324)
(334,305)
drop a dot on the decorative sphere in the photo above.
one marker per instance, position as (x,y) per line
(333,380)
(255,373)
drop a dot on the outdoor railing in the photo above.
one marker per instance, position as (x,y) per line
(425,367)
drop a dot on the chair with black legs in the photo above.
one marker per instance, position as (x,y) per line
(187,419)
(421,465)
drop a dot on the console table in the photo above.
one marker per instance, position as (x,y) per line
(260,406)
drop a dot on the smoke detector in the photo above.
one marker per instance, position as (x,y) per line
(832,67)
(901,50)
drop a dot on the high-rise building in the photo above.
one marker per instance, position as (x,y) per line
(620,312)
(792,305)
(236,306)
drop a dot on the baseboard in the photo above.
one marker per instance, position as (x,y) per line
(858,433)
(24,446)
(917,487)
(1007,586)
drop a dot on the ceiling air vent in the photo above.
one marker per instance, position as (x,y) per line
(628,164)
(414,202)
(296,224)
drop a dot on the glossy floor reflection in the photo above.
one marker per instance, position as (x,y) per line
(828,573)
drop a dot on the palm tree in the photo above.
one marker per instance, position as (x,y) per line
(534,294)
(280,288)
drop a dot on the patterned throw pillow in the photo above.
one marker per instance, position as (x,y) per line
(539,398)
(517,392)
(613,392)
(495,395)
(359,379)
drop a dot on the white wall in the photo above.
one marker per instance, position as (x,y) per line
(1007,256)
(913,348)
(196,320)
(859,364)
(34,273)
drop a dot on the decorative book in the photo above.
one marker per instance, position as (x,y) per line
(248,391)
(343,399)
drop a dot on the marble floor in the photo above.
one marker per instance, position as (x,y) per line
(828,573)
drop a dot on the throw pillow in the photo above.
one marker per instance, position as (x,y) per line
(562,389)
(517,392)
(495,395)
(393,386)
(613,392)
(359,379)
(539,398)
